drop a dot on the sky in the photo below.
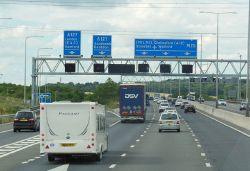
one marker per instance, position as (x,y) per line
(125,20)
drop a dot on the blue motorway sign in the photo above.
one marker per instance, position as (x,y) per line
(72,43)
(166,48)
(45,98)
(102,46)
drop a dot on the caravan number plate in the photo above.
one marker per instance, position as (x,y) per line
(67,145)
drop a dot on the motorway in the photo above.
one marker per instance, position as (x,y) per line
(202,145)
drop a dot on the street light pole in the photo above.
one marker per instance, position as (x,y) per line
(217,49)
(239,82)
(248,65)
(25,54)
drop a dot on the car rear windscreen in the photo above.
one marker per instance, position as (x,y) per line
(168,117)
(27,115)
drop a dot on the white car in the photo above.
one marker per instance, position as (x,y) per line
(222,102)
(163,106)
(170,110)
(178,102)
(156,99)
(169,121)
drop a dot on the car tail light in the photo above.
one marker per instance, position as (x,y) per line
(16,119)
(178,122)
(160,122)
(31,119)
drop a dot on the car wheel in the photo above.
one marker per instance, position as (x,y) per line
(159,130)
(194,111)
(14,130)
(51,157)
(178,130)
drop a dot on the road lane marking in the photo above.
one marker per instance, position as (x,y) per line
(112,166)
(243,133)
(61,168)
(138,140)
(193,135)
(6,131)
(198,145)
(114,124)
(17,146)
(37,157)
(30,160)
(208,165)
(123,155)
(114,114)
(203,154)
(142,135)
(132,146)
(145,132)
(195,140)
(25,162)
(147,128)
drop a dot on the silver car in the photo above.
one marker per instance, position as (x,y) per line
(169,121)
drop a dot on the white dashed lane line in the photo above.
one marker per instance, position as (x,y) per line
(138,140)
(203,154)
(208,165)
(112,166)
(123,155)
(132,146)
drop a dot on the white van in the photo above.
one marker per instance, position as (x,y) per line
(73,129)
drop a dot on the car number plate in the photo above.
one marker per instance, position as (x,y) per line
(23,120)
(68,145)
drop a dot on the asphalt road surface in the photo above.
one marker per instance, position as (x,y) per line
(202,145)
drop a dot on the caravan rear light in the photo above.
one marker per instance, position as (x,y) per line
(93,134)
(42,139)
(88,146)
(93,139)
(47,147)
(42,134)
(42,108)
(93,144)
(42,144)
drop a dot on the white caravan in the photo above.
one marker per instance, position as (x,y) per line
(73,129)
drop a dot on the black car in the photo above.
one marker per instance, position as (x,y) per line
(189,108)
(26,120)
(147,102)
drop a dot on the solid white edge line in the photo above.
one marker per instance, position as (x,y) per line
(112,166)
(114,113)
(247,135)
(114,124)
(208,165)
(6,131)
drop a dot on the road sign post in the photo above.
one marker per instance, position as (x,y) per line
(72,44)
(102,45)
(169,48)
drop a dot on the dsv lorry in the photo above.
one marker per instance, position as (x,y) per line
(132,102)
(73,130)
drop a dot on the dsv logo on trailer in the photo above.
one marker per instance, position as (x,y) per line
(131,96)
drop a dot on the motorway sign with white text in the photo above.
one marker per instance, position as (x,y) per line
(102,45)
(72,43)
(169,48)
